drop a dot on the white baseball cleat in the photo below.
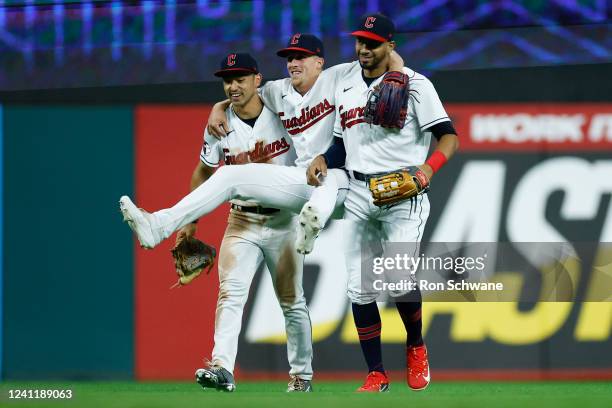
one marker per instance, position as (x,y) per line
(139,222)
(309,226)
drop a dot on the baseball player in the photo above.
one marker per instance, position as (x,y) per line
(306,106)
(368,151)
(255,234)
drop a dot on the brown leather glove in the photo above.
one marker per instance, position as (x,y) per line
(398,185)
(191,257)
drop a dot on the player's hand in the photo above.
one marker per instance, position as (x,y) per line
(217,124)
(426,168)
(188,230)
(317,168)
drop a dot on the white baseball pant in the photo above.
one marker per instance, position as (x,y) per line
(268,185)
(402,222)
(245,246)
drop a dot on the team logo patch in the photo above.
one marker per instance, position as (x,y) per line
(206,149)
(369,23)
(231,60)
(295,39)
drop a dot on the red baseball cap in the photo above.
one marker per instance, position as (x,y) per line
(376,26)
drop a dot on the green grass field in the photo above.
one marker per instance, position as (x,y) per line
(327,394)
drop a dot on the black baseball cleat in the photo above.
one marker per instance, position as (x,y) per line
(299,385)
(215,377)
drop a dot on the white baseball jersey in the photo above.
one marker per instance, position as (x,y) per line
(374,149)
(265,142)
(252,239)
(309,119)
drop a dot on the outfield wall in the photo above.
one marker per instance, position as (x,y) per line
(512,186)
(85,302)
(68,281)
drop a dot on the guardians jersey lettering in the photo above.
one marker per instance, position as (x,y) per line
(309,116)
(350,117)
(260,154)
(264,142)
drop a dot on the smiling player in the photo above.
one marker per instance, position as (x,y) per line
(370,151)
(306,104)
(255,234)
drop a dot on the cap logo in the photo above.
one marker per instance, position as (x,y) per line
(231,60)
(295,39)
(369,23)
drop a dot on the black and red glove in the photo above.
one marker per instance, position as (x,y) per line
(388,102)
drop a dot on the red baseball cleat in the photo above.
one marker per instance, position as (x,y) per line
(418,375)
(375,382)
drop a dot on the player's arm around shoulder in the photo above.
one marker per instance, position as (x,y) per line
(218,125)
(396,62)
(272,92)
(337,72)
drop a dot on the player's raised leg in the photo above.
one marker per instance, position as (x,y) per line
(265,184)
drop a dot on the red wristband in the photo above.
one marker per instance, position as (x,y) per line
(436,160)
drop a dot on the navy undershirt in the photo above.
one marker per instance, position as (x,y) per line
(369,81)
(250,122)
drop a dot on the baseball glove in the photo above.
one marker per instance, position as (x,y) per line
(398,185)
(191,257)
(388,102)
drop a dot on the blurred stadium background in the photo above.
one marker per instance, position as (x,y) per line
(104,98)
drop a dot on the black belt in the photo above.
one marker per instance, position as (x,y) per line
(366,177)
(255,209)
(360,176)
